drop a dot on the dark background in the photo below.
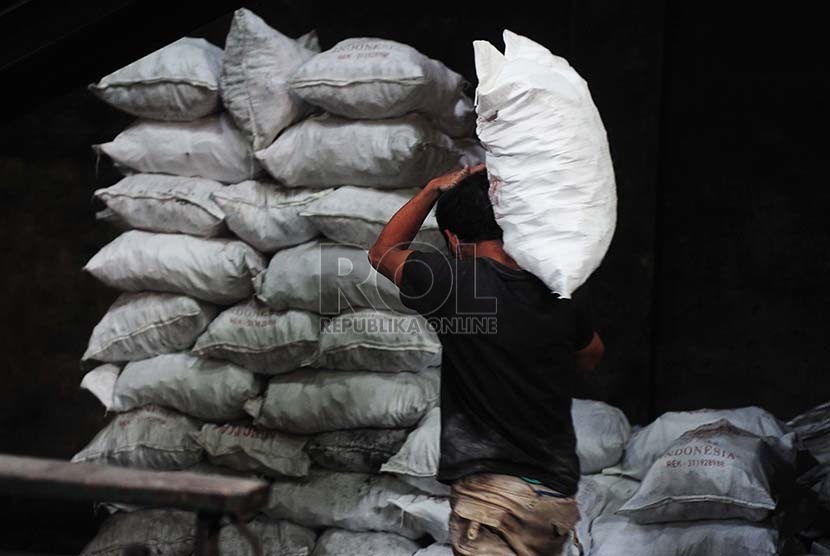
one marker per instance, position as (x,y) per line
(713,293)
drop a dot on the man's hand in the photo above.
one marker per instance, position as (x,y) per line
(589,357)
(450,180)
(391,248)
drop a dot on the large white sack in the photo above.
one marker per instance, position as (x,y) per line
(312,400)
(144,324)
(326,278)
(178,82)
(266,216)
(617,536)
(355,450)
(168,204)
(328,151)
(602,432)
(354,501)
(276,538)
(339,542)
(369,340)
(159,532)
(716,471)
(215,270)
(210,147)
(261,339)
(148,438)
(551,175)
(370,78)
(247,448)
(429,513)
(650,442)
(258,62)
(420,455)
(100,382)
(204,388)
(356,216)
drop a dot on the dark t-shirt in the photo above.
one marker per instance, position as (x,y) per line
(508,368)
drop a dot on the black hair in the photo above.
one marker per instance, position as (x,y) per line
(466,211)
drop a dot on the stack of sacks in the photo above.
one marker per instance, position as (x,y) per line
(393,118)
(709,484)
(390,113)
(372,378)
(295,370)
(184,276)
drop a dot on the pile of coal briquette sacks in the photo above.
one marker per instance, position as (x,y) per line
(252,338)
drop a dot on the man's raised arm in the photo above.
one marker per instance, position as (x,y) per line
(391,248)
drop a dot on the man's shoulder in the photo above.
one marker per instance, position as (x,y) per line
(433,262)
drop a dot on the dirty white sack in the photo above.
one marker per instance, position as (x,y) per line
(210,147)
(329,151)
(353,501)
(167,204)
(258,338)
(716,471)
(429,513)
(159,532)
(258,62)
(178,82)
(267,216)
(312,400)
(148,438)
(100,382)
(421,452)
(276,538)
(602,432)
(371,78)
(141,325)
(204,388)
(215,270)
(650,442)
(369,340)
(325,278)
(247,448)
(151,437)
(355,450)
(551,174)
(356,216)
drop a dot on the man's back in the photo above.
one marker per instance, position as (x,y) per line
(508,368)
(511,350)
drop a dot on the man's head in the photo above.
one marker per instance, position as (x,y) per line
(465,214)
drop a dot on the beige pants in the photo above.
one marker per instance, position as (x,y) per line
(501,515)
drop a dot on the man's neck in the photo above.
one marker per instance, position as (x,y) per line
(491,249)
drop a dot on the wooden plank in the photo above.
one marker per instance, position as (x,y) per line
(25,476)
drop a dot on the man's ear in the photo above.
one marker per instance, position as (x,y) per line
(452,243)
